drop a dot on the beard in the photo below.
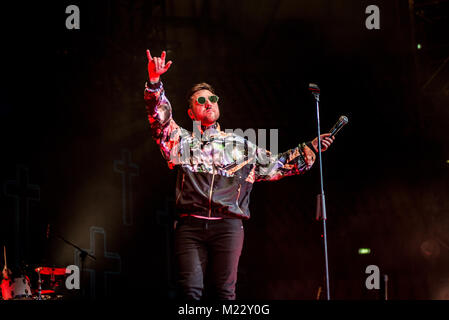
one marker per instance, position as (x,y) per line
(211,116)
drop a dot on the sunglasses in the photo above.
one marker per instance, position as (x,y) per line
(202,100)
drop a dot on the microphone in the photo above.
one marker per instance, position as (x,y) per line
(337,127)
(48,231)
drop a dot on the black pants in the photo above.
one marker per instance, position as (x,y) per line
(212,248)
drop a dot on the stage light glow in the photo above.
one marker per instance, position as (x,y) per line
(419,46)
(364,251)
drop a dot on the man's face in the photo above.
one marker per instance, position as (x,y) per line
(208,112)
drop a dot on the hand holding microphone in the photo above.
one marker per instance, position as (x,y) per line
(328,138)
(326,141)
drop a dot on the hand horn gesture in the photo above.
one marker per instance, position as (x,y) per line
(157,66)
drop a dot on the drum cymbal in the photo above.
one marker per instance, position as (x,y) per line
(51,271)
(47,291)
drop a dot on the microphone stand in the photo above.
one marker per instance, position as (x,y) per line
(316,94)
(83,253)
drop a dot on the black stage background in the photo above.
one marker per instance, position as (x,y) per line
(77,151)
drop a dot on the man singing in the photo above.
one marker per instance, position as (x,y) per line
(216,172)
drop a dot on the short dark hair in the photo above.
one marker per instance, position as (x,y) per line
(197,87)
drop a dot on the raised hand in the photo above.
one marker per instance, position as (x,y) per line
(157,66)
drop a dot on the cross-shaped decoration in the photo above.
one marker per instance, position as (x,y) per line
(23,192)
(128,169)
(106,264)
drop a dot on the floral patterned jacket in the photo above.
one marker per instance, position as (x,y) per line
(216,169)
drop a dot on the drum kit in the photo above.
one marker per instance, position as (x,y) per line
(49,283)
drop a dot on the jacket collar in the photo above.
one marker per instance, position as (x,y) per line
(205,132)
(213,127)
